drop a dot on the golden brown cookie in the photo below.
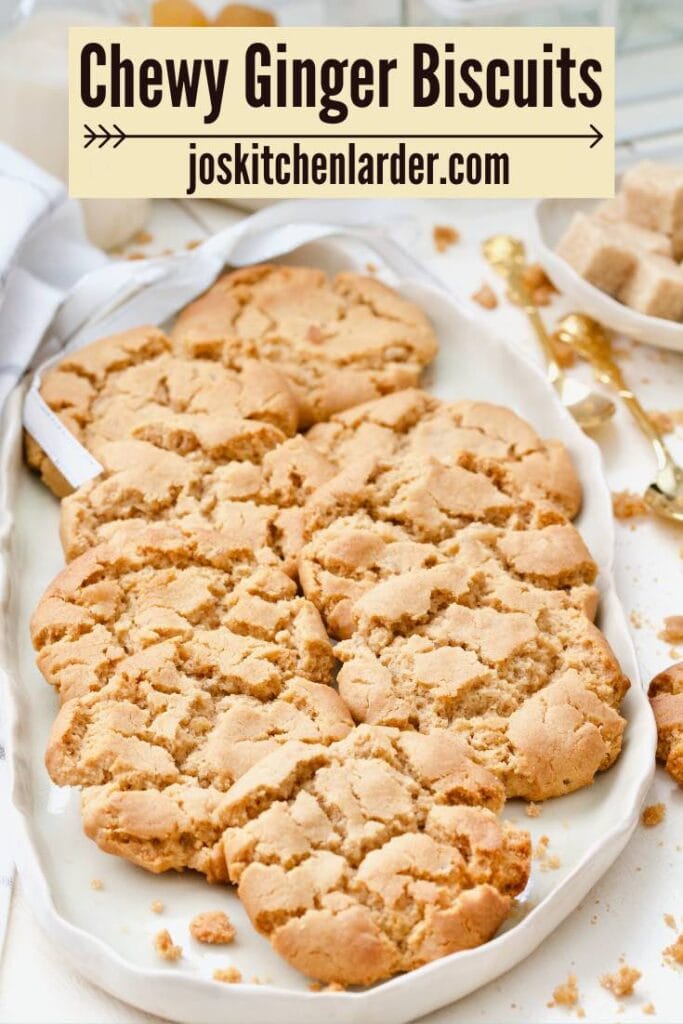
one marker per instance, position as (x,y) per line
(363,859)
(373,855)
(339,341)
(256,504)
(179,661)
(344,560)
(528,681)
(132,385)
(465,433)
(666,698)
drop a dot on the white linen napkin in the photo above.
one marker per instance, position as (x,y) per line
(43,252)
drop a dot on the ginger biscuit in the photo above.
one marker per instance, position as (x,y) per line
(464,433)
(179,662)
(373,855)
(666,698)
(339,341)
(531,685)
(354,553)
(257,504)
(133,385)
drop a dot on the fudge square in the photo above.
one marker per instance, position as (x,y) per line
(653,196)
(655,287)
(597,253)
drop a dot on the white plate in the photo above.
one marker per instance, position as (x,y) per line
(550,221)
(108,934)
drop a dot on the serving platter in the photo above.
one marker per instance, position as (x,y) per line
(550,220)
(108,932)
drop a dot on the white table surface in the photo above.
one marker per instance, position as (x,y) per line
(624,914)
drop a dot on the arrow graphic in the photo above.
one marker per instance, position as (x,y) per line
(104,136)
(117,135)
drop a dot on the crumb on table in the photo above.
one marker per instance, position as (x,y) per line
(673,954)
(670,921)
(673,629)
(566,994)
(194,243)
(486,297)
(156,906)
(622,982)
(143,237)
(213,927)
(653,814)
(163,943)
(648,1008)
(532,810)
(229,975)
(96,884)
(444,236)
(627,505)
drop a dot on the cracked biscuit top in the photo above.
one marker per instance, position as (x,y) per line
(176,661)
(529,682)
(132,385)
(340,341)
(363,859)
(343,561)
(465,433)
(257,504)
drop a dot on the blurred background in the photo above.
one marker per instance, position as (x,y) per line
(33,64)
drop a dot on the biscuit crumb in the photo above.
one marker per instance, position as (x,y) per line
(622,982)
(673,954)
(193,244)
(670,921)
(213,927)
(136,255)
(163,943)
(566,994)
(627,505)
(315,986)
(157,907)
(551,863)
(142,237)
(230,975)
(97,884)
(648,1008)
(581,1012)
(371,268)
(335,986)
(532,810)
(541,847)
(673,629)
(444,236)
(486,297)
(653,815)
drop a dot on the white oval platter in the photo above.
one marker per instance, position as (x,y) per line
(108,933)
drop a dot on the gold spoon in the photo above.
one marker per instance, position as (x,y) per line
(589,408)
(665,493)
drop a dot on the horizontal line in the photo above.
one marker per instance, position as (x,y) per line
(353,136)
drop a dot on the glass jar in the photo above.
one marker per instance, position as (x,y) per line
(34,114)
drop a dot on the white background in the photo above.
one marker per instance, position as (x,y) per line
(624,914)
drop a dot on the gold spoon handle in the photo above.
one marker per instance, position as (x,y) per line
(511,266)
(594,345)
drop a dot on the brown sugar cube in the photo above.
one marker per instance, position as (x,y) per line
(612,211)
(213,927)
(653,196)
(594,251)
(655,288)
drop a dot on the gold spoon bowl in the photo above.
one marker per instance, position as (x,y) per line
(665,494)
(589,408)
